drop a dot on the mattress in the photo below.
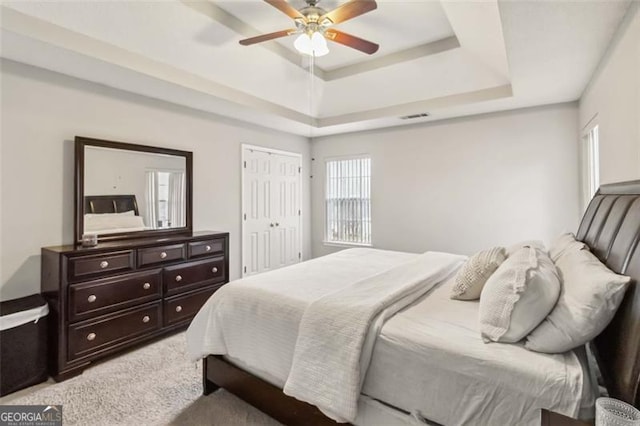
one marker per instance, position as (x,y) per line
(432,354)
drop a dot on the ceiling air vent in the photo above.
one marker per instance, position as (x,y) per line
(412,116)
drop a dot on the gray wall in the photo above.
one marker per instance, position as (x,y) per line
(612,101)
(41,114)
(464,184)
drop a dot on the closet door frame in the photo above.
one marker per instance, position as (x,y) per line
(243,147)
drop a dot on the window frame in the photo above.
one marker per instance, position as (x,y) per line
(590,161)
(325,240)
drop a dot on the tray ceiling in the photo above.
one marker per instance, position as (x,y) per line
(444,58)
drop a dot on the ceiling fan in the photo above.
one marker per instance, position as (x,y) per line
(314,24)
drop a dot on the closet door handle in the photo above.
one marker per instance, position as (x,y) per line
(277,224)
(271,225)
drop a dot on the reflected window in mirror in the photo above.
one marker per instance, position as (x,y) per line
(165,198)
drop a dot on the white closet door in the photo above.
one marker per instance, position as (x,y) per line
(271,211)
(258,189)
(287,209)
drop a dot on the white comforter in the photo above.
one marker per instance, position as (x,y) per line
(428,359)
(337,332)
(262,310)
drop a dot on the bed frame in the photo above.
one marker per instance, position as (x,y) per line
(110,204)
(610,227)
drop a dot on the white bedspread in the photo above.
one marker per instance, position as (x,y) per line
(452,377)
(331,355)
(256,319)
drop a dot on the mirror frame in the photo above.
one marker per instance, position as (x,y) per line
(82,142)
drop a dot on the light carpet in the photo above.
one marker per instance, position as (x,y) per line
(153,385)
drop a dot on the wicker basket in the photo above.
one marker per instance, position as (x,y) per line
(612,412)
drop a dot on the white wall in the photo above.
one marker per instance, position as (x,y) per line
(41,114)
(612,101)
(464,184)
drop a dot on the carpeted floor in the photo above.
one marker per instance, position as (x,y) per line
(153,385)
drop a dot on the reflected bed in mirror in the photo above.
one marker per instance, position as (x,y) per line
(129,191)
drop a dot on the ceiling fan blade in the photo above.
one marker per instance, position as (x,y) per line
(349,10)
(265,37)
(351,41)
(284,7)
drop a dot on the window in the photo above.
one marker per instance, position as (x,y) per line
(165,199)
(592,163)
(348,201)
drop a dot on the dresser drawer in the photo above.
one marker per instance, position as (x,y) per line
(162,254)
(183,308)
(191,275)
(92,336)
(206,248)
(98,297)
(86,266)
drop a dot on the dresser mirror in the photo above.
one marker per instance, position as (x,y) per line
(127,190)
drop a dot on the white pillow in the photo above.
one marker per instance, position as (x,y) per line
(564,244)
(518,296)
(474,274)
(108,221)
(527,243)
(127,213)
(590,296)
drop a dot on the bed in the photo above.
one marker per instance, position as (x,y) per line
(110,214)
(453,365)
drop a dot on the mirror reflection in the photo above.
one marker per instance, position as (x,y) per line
(126,191)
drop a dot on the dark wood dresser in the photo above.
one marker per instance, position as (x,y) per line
(106,298)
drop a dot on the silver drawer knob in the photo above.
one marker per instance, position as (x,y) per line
(178,308)
(214,269)
(91,298)
(179,278)
(146,318)
(146,286)
(104,264)
(163,255)
(91,336)
(207,248)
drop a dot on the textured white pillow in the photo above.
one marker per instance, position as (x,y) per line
(518,296)
(564,244)
(473,275)
(590,296)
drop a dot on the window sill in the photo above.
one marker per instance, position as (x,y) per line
(345,244)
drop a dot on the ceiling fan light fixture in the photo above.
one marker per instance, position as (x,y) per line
(316,45)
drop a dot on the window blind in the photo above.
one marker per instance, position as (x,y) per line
(348,201)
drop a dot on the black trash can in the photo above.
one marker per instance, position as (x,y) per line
(23,343)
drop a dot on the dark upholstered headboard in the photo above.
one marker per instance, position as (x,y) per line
(110,204)
(611,228)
